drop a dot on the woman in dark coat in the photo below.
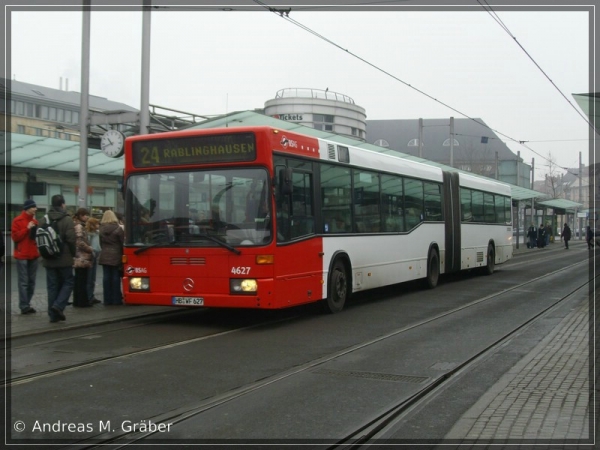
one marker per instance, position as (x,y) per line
(112,237)
(541,236)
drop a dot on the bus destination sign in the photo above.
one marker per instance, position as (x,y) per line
(233,147)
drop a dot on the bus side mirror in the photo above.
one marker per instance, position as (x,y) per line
(285,181)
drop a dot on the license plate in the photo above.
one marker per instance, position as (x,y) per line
(188,301)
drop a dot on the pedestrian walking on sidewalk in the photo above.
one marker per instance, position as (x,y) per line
(566,235)
(26,254)
(59,271)
(112,238)
(92,226)
(84,257)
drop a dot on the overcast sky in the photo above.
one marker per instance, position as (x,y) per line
(211,63)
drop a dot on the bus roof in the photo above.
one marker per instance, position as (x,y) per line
(359,156)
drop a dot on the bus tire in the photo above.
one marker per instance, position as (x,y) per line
(337,288)
(433,269)
(491,261)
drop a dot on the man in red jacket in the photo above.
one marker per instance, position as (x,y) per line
(26,254)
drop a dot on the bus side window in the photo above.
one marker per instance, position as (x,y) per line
(477,199)
(293,198)
(413,192)
(412,218)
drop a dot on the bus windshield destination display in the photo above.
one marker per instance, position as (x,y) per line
(194,150)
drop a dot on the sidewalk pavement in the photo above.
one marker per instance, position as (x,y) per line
(545,397)
(18,324)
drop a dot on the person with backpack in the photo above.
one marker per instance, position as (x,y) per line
(59,269)
(26,254)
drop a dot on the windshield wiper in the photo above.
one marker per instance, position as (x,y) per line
(146,247)
(221,243)
(177,244)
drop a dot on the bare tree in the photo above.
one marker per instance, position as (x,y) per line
(478,159)
(553,184)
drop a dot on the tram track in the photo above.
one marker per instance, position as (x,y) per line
(375,428)
(15,381)
(377,425)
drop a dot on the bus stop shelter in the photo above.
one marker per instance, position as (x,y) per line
(523,199)
(559,211)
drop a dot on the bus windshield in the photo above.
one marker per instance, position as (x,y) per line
(208,208)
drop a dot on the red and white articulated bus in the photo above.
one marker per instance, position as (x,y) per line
(258,217)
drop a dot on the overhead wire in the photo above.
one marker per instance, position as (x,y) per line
(284,13)
(505,28)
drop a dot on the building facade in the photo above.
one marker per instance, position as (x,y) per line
(42,132)
(320,109)
(42,129)
(476,148)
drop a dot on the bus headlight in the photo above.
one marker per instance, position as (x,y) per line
(139,284)
(243,286)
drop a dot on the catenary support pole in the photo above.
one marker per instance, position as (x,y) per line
(84,112)
(145,97)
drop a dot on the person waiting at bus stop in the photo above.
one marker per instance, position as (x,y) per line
(84,258)
(25,254)
(532,236)
(59,272)
(112,237)
(541,237)
(92,227)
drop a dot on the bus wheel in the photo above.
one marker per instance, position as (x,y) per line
(433,269)
(338,288)
(491,261)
